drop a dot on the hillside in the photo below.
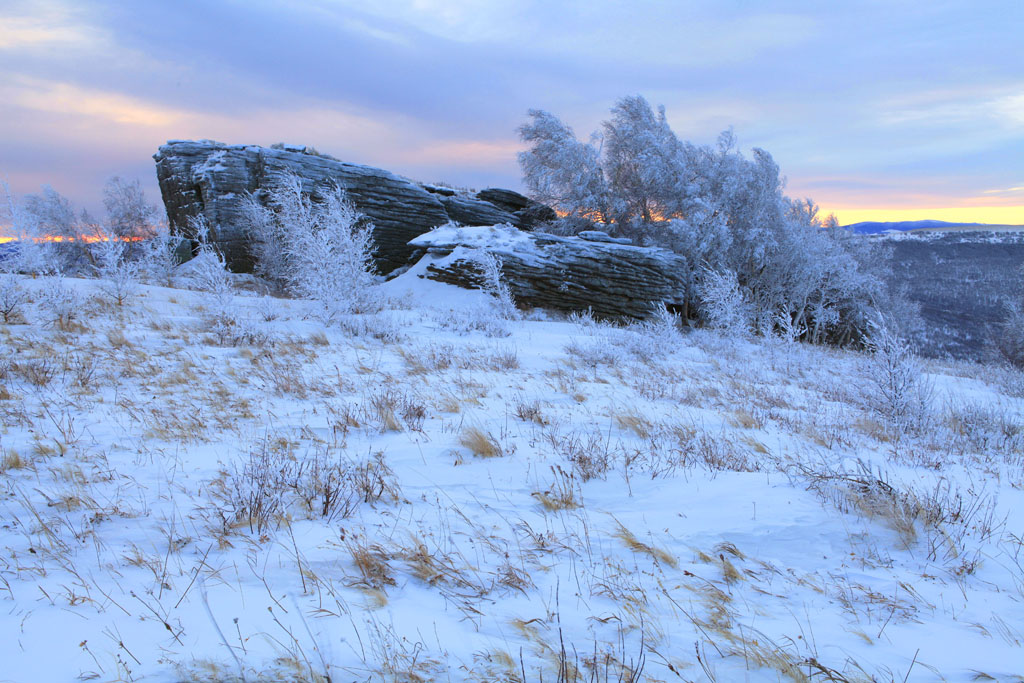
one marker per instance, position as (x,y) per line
(962,282)
(435,493)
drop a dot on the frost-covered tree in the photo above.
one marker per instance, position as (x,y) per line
(726,212)
(561,171)
(900,391)
(47,229)
(128,212)
(642,162)
(54,214)
(12,295)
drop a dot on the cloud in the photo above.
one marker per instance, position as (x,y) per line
(74,101)
(470,152)
(893,99)
(19,33)
(1018,190)
(971,106)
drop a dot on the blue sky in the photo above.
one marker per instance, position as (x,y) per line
(904,109)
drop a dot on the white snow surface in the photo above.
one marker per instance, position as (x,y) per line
(682,505)
(494,237)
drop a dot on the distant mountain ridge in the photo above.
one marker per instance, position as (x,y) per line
(874,227)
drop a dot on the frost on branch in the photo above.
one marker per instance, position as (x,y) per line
(720,209)
(320,250)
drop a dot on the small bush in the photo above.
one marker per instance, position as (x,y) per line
(62,303)
(262,491)
(723,304)
(118,275)
(901,392)
(12,297)
(320,250)
(496,286)
(481,318)
(1009,336)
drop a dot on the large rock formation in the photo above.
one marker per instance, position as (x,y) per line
(212,179)
(593,270)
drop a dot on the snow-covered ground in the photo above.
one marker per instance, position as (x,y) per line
(414,496)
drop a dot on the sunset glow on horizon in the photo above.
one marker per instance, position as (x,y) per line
(995,215)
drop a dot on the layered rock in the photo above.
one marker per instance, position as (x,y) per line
(211,179)
(613,279)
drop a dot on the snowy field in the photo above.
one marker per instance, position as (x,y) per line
(436,493)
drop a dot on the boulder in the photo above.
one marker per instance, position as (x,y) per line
(527,212)
(613,279)
(212,179)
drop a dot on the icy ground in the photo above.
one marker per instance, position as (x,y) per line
(411,495)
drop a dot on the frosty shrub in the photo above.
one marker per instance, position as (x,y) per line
(156,256)
(320,250)
(1009,336)
(12,297)
(208,272)
(118,274)
(723,305)
(900,391)
(61,302)
(655,336)
(477,318)
(496,286)
(379,325)
(267,243)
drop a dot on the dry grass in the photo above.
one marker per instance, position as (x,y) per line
(747,419)
(563,493)
(637,546)
(117,339)
(382,408)
(480,443)
(632,430)
(635,423)
(10,459)
(373,563)
(447,402)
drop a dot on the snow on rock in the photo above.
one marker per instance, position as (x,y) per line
(593,271)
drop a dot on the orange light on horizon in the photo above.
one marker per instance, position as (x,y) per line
(88,239)
(993,215)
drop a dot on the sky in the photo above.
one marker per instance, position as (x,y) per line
(887,110)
